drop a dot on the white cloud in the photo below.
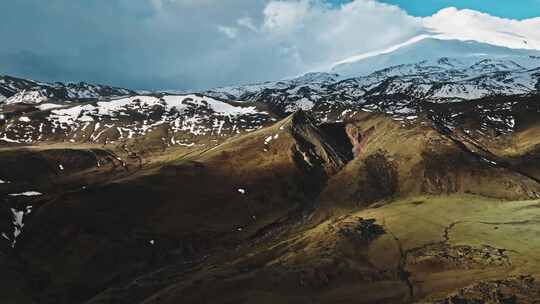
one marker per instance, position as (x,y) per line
(229,31)
(320,33)
(160,4)
(284,16)
(247,22)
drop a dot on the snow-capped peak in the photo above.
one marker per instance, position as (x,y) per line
(28,96)
(432,49)
(454,33)
(469,25)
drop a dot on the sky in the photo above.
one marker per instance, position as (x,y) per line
(197,44)
(520,9)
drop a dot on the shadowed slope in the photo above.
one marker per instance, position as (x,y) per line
(179,211)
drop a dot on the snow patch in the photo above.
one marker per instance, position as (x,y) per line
(48,106)
(27,193)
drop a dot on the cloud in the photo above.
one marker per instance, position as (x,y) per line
(160,4)
(194,44)
(284,16)
(154,44)
(322,34)
(290,37)
(247,22)
(229,31)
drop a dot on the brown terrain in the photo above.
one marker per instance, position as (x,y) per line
(439,208)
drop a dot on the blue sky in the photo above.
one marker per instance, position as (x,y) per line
(519,9)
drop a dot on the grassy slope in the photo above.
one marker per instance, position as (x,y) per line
(324,265)
(400,160)
(466,220)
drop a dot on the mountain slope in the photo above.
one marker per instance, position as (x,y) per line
(430,49)
(260,183)
(397,89)
(401,91)
(169,120)
(16,90)
(398,240)
(373,209)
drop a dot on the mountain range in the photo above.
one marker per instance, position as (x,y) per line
(407,175)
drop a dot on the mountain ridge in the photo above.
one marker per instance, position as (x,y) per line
(398,90)
(17,90)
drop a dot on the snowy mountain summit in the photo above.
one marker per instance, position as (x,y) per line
(459,55)
(454,33)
